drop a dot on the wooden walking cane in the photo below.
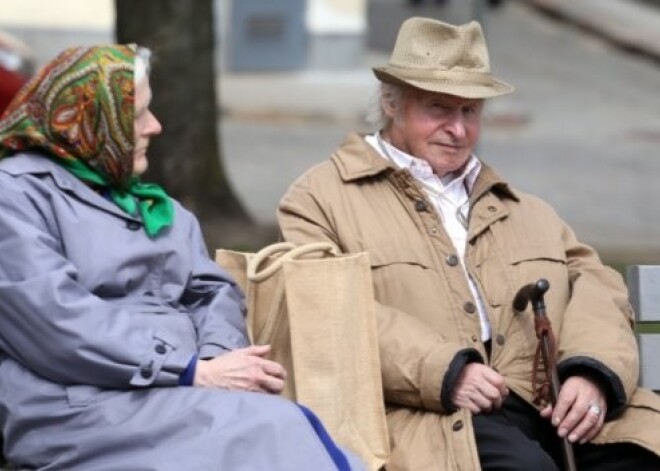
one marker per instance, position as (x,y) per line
(548,390)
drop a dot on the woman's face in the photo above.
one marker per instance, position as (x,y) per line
(145,126)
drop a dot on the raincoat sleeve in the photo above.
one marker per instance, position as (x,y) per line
(414,373)
(597,337)
(59,330)
(214,302)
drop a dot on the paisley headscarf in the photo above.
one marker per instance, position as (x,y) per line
(79,110)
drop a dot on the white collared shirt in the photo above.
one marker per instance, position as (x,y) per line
(450,196)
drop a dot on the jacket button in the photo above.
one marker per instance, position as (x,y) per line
(132,225)
(500,339)
(492,209)
(469,307)
(160,349)
(456,426)
(420,205)
(452,260)
(475,338)
(146,371)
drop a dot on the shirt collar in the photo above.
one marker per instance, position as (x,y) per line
(420,168)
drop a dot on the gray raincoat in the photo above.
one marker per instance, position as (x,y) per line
(97,323)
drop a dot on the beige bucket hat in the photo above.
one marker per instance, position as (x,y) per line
(443,58)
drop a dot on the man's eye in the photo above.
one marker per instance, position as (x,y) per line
(440,107)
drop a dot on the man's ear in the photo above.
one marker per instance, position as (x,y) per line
(389,106)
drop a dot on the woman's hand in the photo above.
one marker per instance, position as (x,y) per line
(244,369)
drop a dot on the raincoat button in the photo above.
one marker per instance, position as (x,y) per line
(160,349)
(475,338)
(420,205)
(457,426)
(469,307)
(146,372)
(492,209)
(500,339)
(132,225)
(452,260)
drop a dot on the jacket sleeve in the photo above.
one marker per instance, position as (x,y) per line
(214,302)
(597,337)
(59,330)
(413,374)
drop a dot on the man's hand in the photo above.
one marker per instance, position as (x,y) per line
(244,369)
(575,414)
(479,388)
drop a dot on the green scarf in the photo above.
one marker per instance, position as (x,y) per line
(150,200)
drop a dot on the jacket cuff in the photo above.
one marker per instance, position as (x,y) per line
(187,378)
(209,351)
(610,383)
(163,363)
(462,358)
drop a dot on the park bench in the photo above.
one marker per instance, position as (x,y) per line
(644,286)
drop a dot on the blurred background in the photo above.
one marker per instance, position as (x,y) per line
(253,92)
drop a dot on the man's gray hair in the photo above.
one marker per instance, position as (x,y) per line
(387,93)
(142,63)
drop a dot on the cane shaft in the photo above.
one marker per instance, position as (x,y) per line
(569,456)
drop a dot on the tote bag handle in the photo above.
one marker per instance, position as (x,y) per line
(290,252)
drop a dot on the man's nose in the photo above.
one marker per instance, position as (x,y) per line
(456,124)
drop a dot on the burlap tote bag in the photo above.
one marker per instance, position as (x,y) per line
(317,311)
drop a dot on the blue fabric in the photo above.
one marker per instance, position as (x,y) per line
(188,375)
(333,450)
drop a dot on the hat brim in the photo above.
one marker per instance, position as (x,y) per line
(462,84)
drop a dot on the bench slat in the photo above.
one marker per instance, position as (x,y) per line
(644,286)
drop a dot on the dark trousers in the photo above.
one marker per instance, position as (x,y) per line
(516,438)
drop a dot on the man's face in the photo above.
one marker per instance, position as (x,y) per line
(145,126)
(441,129)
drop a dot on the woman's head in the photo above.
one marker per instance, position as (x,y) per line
(82,106)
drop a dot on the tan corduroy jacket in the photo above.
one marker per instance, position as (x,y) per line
(428,324)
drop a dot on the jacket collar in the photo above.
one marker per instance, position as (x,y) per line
(36,163)
(489,180)
(356,159)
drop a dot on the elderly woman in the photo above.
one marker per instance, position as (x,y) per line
(122,345)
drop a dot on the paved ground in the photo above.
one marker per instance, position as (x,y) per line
(582,129)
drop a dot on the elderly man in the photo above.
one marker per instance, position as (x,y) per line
(451,243)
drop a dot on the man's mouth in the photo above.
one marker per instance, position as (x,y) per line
(450,146)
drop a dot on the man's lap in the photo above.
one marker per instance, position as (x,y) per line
(516,437)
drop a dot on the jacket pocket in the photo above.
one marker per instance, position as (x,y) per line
(503,274)
(533,262)
(537,252)
(402,254)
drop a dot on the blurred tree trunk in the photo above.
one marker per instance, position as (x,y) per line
(184,159)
